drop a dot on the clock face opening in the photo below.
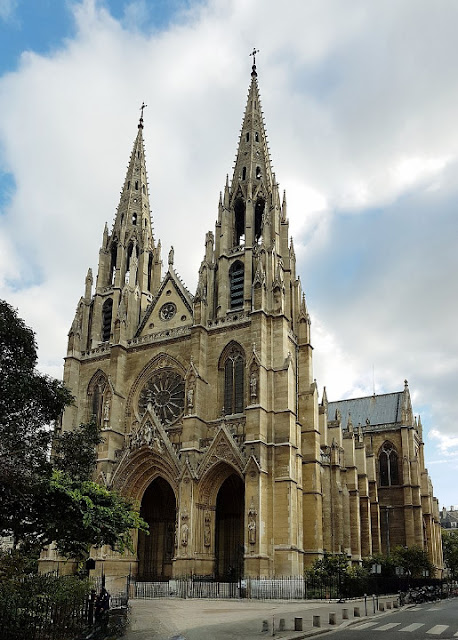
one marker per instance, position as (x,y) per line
(167,311)
(165,392)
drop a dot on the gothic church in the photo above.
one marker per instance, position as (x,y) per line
(209,411)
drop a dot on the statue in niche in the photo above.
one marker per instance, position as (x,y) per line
(190,397)
(254,384)
(207,529)
(184,529)
(106,410)
(252,513)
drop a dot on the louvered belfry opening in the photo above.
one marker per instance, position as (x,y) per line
(236,276)
(234,369)
(107,311)
(156,550)
(229,549)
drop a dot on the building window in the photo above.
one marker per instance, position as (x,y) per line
(388,465)
(236,281)
(107,311)
(258,213)
(234,368)
(239,222)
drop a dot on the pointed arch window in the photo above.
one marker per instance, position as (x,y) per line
(244,173)
(236,283)
(258,173)
(98,398)
(388,465)
(107,312)
(247,136)
(258,213)
(234,370)
(239,222)
(256,136)
(114,251)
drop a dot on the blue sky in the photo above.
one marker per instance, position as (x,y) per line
(360,101)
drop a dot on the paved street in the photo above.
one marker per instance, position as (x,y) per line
(428,620)
(163,619)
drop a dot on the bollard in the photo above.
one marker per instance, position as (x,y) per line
(297,624)
(356,612)
(381,606)
(344,614)
(317,621)
(332,618)
(388,605)
(265,626)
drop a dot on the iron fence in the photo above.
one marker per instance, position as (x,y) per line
(309,587)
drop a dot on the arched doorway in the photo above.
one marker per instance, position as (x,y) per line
(229,549)
(156,550)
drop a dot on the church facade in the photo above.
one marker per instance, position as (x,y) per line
(208,407)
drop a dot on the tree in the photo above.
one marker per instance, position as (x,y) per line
(29,403)
(450,549)
(414,560)
(44,500)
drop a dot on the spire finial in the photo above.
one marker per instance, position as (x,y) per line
(253,68)
(140,124)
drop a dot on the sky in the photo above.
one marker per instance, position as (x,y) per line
(360,102)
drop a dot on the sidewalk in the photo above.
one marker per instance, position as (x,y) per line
(167,618)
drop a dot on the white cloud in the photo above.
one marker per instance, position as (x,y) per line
(360,113)
(7,9)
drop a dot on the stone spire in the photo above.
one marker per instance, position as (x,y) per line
(133,216)
(252,166)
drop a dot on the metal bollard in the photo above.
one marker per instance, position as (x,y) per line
(282,624)
(344,614)
(332,617)
(317,621)
(265,626)
(297,624)
(356,612)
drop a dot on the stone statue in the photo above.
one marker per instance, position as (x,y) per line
(207,530)
(254,385)
(184,529)
(171,256)
(190,399)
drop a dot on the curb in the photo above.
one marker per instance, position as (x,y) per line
(343,625)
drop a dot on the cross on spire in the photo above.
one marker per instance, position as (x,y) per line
(253,53)
(141,115)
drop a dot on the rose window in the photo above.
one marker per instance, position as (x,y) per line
(165,392)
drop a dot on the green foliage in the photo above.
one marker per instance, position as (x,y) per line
(330,565)
(387,564)
(414,560)
(75,451)
(450,549)
(42,500)
(29,403)
(85,514)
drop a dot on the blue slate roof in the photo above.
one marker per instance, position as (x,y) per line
(382,409)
